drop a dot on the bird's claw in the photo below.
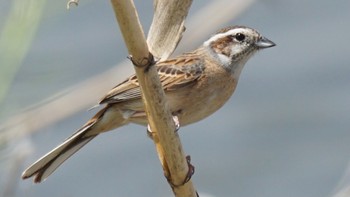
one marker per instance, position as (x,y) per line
(188,175)
(190,170)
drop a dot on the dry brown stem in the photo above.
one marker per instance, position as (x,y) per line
(160,120)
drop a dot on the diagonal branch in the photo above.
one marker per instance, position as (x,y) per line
(171,154)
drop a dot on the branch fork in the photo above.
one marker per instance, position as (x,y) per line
(145,63)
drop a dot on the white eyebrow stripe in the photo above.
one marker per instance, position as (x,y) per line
(222,35)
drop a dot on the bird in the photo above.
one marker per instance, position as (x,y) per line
(196,84)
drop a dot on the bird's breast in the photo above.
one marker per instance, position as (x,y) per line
(209,94)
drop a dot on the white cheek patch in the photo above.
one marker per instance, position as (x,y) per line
(224,59)
(236,49)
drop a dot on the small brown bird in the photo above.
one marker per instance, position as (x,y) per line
(196,84)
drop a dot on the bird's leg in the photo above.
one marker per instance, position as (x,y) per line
(177,123)
(188,157)
(177,127)
(149,132)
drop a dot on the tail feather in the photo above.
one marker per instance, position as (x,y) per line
(47,164)
(106,119)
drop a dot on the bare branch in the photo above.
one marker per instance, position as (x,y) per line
(171,154)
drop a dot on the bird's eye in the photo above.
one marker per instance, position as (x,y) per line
(240,37)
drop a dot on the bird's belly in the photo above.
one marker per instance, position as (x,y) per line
(195,105)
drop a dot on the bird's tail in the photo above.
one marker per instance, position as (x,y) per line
(47,164)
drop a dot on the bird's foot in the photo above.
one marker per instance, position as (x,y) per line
(188,175)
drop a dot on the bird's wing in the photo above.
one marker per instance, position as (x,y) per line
(174,73)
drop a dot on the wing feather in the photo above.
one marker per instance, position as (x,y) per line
(173,74)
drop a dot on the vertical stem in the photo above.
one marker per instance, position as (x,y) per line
(159,117)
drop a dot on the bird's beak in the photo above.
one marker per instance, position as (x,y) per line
(263,43)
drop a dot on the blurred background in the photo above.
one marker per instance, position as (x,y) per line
(285,132)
